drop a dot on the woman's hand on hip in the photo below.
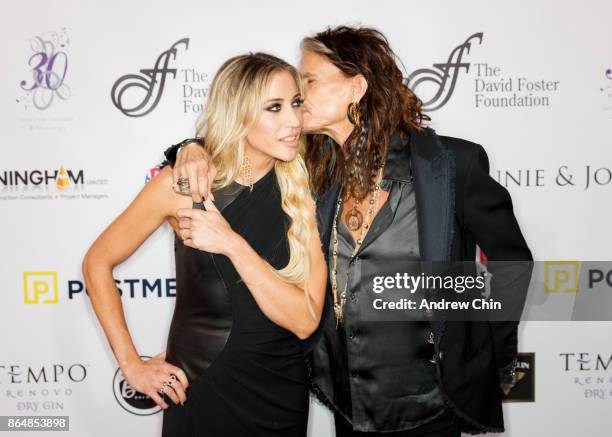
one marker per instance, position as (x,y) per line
(149,376)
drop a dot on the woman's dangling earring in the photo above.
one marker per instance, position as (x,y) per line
(245,171)
(354,114)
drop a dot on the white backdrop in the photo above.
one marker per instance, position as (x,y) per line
(54,358)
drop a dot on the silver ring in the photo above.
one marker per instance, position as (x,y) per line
(183,184)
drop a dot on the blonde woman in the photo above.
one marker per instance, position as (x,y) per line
(250,271)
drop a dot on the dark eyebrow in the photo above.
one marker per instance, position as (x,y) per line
(279,100)
(307,75)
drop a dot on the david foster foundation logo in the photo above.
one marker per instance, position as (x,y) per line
(442,79)
(492,87)
(136,95)
(47,81)
(495,90)
(196,86)
(131,400)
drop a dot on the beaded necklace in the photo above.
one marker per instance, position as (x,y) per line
(339,302)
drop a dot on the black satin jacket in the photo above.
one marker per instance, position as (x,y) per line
(458,206)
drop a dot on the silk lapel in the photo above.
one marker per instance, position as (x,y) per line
(434,178)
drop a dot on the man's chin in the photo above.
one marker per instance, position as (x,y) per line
(311,129)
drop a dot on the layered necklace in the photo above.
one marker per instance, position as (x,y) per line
(354,221)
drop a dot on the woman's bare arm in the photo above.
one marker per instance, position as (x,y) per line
(155,203)
(283,303)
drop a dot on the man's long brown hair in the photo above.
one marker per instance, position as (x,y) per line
(388,105)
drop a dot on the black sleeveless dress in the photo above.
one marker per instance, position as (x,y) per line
(246,373)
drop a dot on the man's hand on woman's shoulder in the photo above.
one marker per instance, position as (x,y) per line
(193,163)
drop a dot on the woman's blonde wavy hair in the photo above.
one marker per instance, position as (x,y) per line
(235,102)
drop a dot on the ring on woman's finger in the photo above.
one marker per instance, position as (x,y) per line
(161,390)
(175,187)
(183,184)
(184,234)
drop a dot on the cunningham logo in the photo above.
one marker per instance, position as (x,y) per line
(50,184)
(61,177)
(152,81)
(443,76)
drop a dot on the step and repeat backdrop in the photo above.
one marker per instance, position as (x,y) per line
(93,92)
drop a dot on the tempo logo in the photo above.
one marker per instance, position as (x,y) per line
(40,287)
(561,276)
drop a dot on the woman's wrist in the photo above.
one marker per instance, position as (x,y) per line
(129,363)
(235,245)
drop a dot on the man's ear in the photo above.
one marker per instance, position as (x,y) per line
(359,87)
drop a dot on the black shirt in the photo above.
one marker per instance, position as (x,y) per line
(401,383)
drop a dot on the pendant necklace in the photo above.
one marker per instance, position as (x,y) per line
(354,222)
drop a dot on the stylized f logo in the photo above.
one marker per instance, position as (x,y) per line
(444,76)
(148,82)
